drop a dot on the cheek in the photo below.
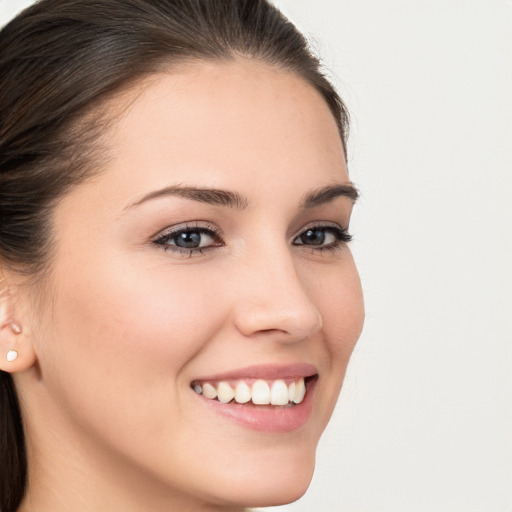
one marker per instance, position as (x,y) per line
(348,318)
(339,298)
(136,308)
(336,292)
(121,338)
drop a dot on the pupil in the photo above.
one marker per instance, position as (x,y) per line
(188,240)
(313,237)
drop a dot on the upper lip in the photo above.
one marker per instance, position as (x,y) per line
(267,372)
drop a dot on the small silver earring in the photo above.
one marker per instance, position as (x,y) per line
(12,355)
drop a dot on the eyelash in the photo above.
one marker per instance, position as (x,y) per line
(171,235)
(341,235)
(341,238)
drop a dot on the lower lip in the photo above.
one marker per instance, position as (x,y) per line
(267,418)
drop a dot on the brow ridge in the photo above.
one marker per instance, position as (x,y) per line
(232,199)
(204,195)
(328,193)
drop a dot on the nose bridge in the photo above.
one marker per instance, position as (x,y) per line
(273,298)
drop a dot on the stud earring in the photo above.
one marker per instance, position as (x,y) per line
(12,355)
(16,328)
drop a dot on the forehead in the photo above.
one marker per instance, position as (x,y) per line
(224,124)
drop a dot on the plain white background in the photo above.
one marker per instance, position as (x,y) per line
(424,423)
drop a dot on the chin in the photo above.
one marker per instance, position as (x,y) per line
(270,494)
(281,494)
(265,485)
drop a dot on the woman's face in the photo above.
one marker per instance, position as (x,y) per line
(209,255)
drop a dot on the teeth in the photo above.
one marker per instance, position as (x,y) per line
(279,393)
(261,393)
(209,391)
(300,391)
(225,392)
(291,392)
(242,393)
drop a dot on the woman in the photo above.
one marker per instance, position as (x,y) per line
(178,301)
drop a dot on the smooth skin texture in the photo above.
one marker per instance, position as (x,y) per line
(112,421)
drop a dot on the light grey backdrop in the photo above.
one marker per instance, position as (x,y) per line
(424,423)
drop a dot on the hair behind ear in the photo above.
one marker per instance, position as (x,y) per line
(13,460)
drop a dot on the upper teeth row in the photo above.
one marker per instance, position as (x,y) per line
(261,392)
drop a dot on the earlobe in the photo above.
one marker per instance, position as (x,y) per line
(12,355)
(16,352)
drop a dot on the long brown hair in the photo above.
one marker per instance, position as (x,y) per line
(60,60)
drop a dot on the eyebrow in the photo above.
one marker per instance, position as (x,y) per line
(231,199)
(326,194)
(213,196)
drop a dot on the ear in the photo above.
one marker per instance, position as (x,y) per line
(16,350)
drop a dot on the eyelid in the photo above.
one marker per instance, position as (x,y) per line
(320,224)
(164,238)
(341,235)
(198,225)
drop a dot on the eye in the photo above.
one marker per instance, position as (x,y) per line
(189,239)
(323,237)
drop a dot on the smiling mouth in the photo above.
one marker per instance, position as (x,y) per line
(287,392)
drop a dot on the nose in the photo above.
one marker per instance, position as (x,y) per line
(272,299)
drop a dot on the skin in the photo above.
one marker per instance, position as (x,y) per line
(105,368)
